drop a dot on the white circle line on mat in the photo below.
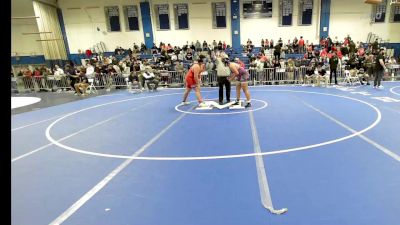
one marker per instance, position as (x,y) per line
(273,152)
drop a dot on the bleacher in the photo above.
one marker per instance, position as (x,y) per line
(231,52)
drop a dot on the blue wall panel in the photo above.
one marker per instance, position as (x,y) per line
(28,60)
(325,14)
(146,21)
(235,22)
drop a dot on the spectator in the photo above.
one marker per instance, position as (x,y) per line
(369,65)
(71,73)
(179,67)
(352,47)
(380,68)
(189,55)
(280,42)
(329,43)
(277,52)
(375,47)
(82,85)
(143,47)
(301,45)
(363,76)
(89,70)
(333,64)
(220,45)
(205,46)
(209,66)
(198,46)
(321,75)
(37,73)
(215,45)
(150,78)
(309,76)
(58,71)
(392,60)
(290,69)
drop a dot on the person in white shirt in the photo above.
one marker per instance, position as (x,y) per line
(60,78)
(89,70)
(58,71)
(181,56)
(336,40)
(117,69)
(173,57)
(126,70)
(392,60)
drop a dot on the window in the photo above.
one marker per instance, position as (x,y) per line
(219,14)
(257,9)
(112,16)
(181,16)
(379,12)
(395,14)
(285,12)
(162,16)
(305,12)
(131,17)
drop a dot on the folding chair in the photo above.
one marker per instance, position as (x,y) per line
(324,79)
(352,80)
(133,87)
(91,88)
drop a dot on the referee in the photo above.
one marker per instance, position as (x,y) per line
(223,72)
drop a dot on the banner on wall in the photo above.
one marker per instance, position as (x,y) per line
(132,11)
(163,17)
(219,14)
(306,10)
(132,17)
(257,9)
(380,12)
(163,9)
(287,12)
(395,13)
(181,16)
(113,18)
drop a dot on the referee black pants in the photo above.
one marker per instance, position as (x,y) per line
(333,71)
(221,82)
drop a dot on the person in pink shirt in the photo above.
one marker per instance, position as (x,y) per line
(263,58)
(323,53)
(361,51)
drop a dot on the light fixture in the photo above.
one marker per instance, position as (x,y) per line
(373,1)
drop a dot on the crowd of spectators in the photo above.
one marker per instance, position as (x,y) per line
(128,63)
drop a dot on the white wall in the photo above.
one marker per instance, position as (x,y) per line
(200,24)
(347,17)
(81,25)
(262,28)
(353,18)
(24,44)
